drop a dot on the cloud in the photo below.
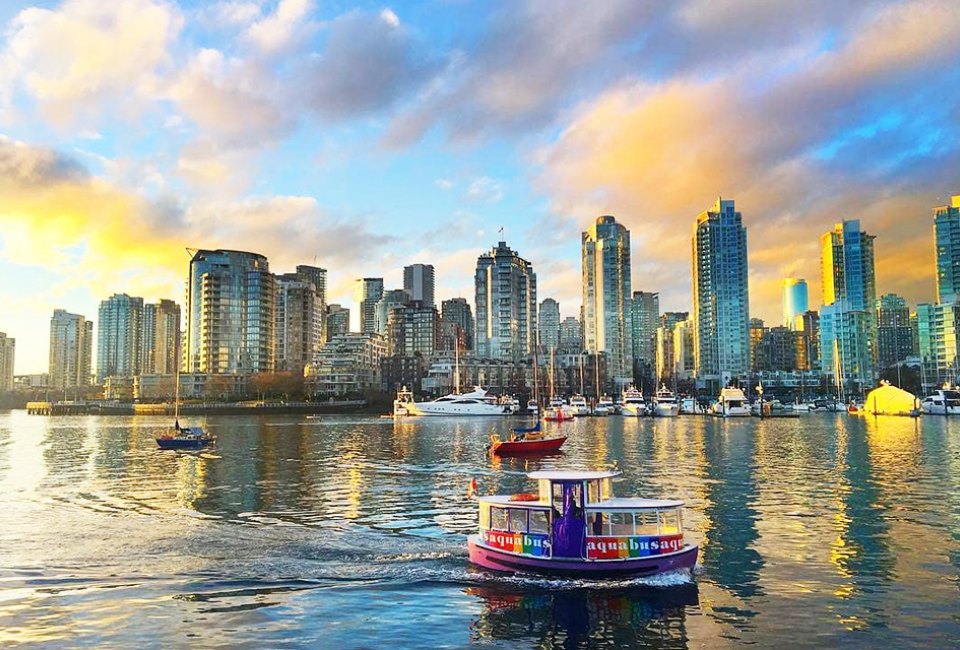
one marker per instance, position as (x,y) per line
(834,137)
(280,29)
(369,63)
(484,190)
(89,56)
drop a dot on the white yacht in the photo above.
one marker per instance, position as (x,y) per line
(579,405)
(689,406)
(476,402)
(944,401)
(731,403)
(403,400)
(533,407)
(633,404)
(665,404)
(559,405)
(604,406)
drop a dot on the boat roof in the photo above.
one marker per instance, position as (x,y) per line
(618,503)
(573,475)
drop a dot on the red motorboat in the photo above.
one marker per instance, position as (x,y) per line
(527,444)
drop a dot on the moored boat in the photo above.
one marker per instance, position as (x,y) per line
(943,401)
(604,406)
(574,526)
(579,405)
(403,398)
(633,403)
(476,402)
(529,440)
(665,404)
(731,403)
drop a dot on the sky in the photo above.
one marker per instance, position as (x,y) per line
(366,136)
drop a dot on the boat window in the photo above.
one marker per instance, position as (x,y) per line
(669,522)
(606,488)
(557,495)
(598,523)
(518,520)
(498,518)
(593,491)
(539,522)
(645,522)
(485,517)
(621,524)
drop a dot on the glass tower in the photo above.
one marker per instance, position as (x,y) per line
(120,337)
(506,299)
(369,291)
(721,305)
(795,301)
(607,313)
(71,340)
(946,233)
(418,283)
(549,324)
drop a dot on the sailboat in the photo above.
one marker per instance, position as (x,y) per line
(476,402)
(180,437)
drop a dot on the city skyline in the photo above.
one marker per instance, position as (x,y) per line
(160,144)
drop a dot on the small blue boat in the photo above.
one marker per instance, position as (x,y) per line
(184,438)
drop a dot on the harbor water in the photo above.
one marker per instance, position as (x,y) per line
(349,532)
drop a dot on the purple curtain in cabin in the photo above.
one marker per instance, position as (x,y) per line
(569,530)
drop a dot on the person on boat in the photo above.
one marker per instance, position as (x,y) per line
(176,425)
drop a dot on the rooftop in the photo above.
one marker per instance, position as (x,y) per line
(574,475)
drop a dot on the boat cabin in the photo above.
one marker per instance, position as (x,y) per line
(574,515)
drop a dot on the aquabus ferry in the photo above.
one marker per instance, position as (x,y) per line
(574,526)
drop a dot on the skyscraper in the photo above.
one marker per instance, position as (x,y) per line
(71,343)
(338,321)
(608,314)
(368,293)
(571,335)
(318,277)
(161,337)
(795,301)
(645,320)
(120,337)
(665,346)
(549,322)
(506,299)
(849,284)
(299,322)
(894,333)
(418,283)
(721,304)
(394,298)
(231,313)
(413,329)
(457,310)
(7,350)
(946,234)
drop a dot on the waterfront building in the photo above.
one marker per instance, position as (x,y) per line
(394,298)
(665,361)
(845,346)
(506,299)
(8,347)
(683,361)
(849,282)
(299,322)
(757,330)
(645,317)
(936,333)
(549,323)
(119,337)
(795,301)
(231,313)
(452,337)
(418,280)
(496,376)
(71,343)
(571,335)
(368,293)
(946,234)
(808,341)
(161,337)
(412,329)
(457,310)
(607,309)
(894,333)
(721,304)
(777,350)
(348,364)
(399,371)
(338,321)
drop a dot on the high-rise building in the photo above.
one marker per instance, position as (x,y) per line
(845,345)
(894,334)
(161,338)
(413,329)
(457,310)
(795,301)
(683,364)
(120,337)
(368,293)
(777,350)
(849,283)
(299,322)
(506,299)
(318,277)
(666,362)
(757,331)
(71,343)
(808,340)
(7,349)
(607,309)
(936,333)
(645,320)
(392,299)
(549,322)
(571,335)
(231,313)
(946,234)
(338,321)
(418,283)
(721,303)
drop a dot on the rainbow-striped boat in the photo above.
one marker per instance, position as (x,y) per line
(574,526)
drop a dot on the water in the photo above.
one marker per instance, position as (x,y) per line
(828,530)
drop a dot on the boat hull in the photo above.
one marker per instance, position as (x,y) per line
(525,447)
(496,560)
(180,443)
(634,410)
(473,410)
(667,410)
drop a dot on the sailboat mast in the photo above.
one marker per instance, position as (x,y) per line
(551,374)
(581,374)
(456,371)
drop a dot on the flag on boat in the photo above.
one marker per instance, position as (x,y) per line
(471,488)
